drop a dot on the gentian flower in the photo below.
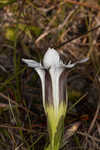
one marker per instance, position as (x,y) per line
(53,77)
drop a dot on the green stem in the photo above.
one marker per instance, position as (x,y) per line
(55,126)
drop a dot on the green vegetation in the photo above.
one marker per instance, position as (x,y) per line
(27,29)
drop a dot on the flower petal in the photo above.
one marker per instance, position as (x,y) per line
(41,72)
(55,73)
(83,60)
(51,58)
(69,65)
(32,63)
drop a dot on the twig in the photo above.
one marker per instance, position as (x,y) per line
(76,37)
(95,117)
(60,26)
(89,136)
(20,106)
(83,4)
(18,128)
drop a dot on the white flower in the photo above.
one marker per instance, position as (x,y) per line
(53,78)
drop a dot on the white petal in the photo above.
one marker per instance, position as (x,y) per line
(41,74)
(69,65)
(51,58)
(55,73)
(31,63)
(83,60)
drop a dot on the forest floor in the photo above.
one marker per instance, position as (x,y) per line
(27,29)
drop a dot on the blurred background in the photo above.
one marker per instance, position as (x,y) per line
(27,29)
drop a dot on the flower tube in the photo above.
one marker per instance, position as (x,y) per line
(53,77)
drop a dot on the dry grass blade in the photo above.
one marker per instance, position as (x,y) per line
(98,127)
(27,29)
(20,106)
(84,4)
(3,68)
(2,105)
(70,132)
(89,136)
(18,147)
(60,26)
(17,128)
(95,117)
